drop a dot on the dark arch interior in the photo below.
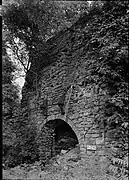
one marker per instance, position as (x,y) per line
(64,137)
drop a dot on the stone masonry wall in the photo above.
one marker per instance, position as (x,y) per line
(71,67)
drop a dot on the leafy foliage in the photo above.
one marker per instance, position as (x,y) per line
(118,167)
(109,44)
(36,21)
(10,90)
(30,24)
(10,101)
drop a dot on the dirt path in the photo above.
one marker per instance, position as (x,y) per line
(67,166)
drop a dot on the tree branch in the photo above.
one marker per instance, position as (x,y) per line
(20,60)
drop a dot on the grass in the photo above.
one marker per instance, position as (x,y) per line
(68,166)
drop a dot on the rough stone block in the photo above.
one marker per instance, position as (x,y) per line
(100,140)
(91,147)
(90,153)
(95,135)
(83,150)
(101,152)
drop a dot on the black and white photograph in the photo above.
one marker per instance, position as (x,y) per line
(65,90)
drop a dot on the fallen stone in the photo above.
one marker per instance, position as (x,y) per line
(63,151)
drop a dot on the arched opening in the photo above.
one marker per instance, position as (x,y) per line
(57,135)
(65,137)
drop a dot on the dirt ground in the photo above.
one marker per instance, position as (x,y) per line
(66,166)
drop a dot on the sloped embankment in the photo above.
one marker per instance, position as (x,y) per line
(67,165)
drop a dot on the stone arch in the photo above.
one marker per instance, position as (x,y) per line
(57,134)
(67,120)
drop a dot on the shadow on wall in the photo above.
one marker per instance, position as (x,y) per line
(61,136)
(65,137)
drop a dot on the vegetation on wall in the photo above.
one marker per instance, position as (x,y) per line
(107,45)
(34,22)
(27,26)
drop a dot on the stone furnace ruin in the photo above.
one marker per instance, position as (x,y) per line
(62,96)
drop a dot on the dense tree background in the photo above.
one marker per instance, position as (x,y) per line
(31,23)
(10,99)
(27,25)
(109,43)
